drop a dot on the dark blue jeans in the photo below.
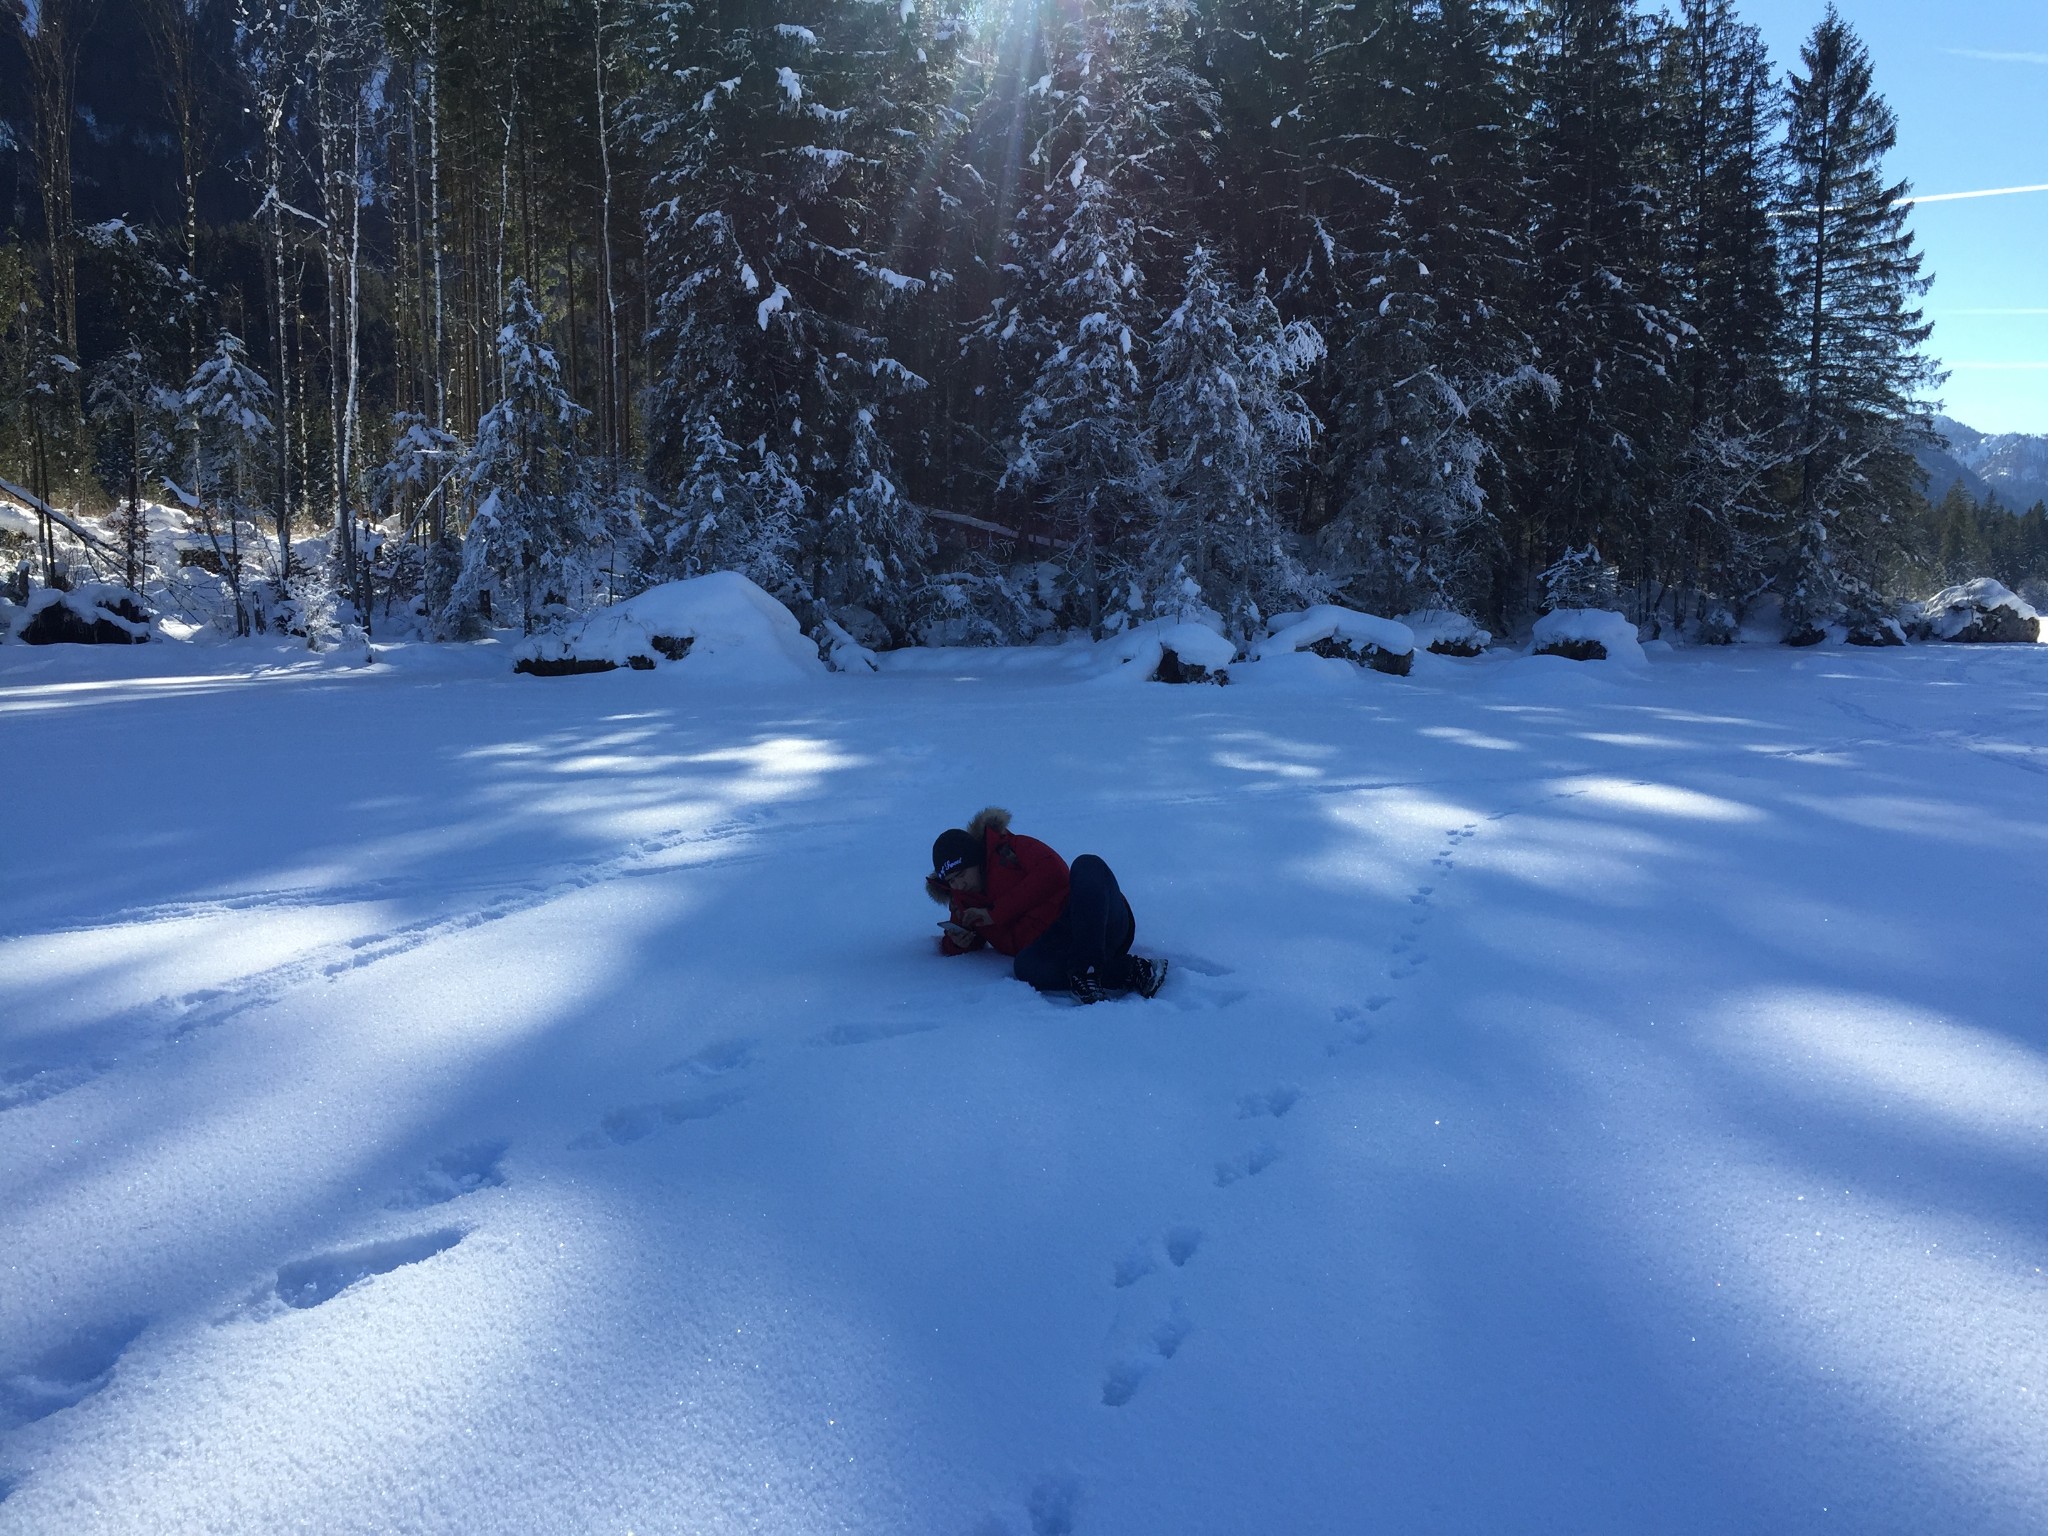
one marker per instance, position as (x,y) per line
(1094,930)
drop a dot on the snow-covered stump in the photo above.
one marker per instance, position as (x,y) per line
(1343,634)
(1588,634)
(90,615)
(1172,653)
(1980,612)
(723,626)
(1445,632)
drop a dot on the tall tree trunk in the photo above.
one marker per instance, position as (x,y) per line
(52,33)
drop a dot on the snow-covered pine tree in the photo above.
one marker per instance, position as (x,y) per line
(1717,516)
(1419,193)
(1229,425)
(1116,99)
(1588,464)
(539,532)
(225,416)
(790,131)
(1852,276)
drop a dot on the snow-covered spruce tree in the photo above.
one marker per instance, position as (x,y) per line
(126,402)
(789,132)
(1116,97)
(411,489)
(1854,334)
(1229,425)
(540,531)
(225,420)
(1717,517)
(1588,463)
(1418,198)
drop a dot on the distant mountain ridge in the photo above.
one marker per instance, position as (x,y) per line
(2010,468)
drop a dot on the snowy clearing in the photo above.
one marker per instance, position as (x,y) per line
(1587,1099)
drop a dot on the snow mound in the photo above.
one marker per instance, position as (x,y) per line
(1446,632)
(1344,634)
(722,626)
(1589,634)
(1168,652)
(95,614)
(1979,612)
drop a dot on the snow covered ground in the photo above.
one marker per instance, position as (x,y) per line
(1587,1099)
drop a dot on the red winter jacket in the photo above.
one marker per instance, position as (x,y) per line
(1024,887)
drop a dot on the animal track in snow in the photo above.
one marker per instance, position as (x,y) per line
(1173,1332)
(1121,1382)
(867,1034)
(1346,1012)
(1180,1244)
(1052,1507)
(171,1017)
(636,1122)
(1133,1267)
(1246,1164)
(29,1083)
(453,1175)
(1274,1101)
(715,1060)
(313,1282)
(67,1373)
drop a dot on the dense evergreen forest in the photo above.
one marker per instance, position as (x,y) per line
(966,325)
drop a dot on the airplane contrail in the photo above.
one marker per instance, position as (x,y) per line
(1957,197)
(1931,197)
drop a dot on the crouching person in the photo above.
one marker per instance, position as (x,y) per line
(1067,930)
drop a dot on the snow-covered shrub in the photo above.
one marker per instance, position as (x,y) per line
(1880,630)
(1580,579)
(94,614)
(981,605)
(1588,634)
(1344,634)
(842,652)
(1978,612)
(1446,632)
(725,627)
(1716,625)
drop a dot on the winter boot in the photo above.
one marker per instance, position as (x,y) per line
(1087,988)
(1145,977)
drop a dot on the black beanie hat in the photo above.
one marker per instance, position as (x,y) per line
(953,849)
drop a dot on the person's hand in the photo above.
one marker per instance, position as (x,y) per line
(976,917)
(962,938)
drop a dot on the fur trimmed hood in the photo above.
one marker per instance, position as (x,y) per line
(990,819)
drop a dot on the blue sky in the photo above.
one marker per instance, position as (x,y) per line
(1969,81)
